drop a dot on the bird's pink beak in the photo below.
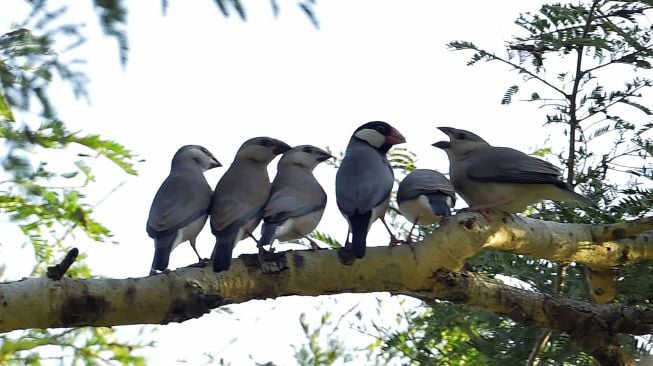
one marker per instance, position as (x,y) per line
(394,138)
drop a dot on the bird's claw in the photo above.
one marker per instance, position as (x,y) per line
(155,272)
(202,263)
(272,263)
(346,255)
(394,241)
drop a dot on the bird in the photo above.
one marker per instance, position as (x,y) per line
(424,197)
(297,200)
(240,195)
(493,178)
(364,181)
(181,205)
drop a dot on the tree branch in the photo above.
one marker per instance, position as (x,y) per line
(429,271)
(592,327)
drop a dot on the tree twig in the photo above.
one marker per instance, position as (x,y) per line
(56,272)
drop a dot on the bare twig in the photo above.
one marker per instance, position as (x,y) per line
(56,272)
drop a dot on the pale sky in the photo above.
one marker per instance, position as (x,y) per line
(194,77)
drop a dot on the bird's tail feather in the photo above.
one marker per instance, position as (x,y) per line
(221,256)
(268,233)
(161,257)
(582,199)
(359,225)
(440,204)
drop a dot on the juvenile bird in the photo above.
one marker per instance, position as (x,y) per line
(364,181)
(181,205)
(239,197)
(297,200)
(424,197)
(500,178)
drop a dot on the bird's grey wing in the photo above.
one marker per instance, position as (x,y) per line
(506,165)
(181,199)
(363,181)
(286,206)
(294,193)
(239,196)
(422,182)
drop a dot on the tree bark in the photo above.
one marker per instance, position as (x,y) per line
(432,270)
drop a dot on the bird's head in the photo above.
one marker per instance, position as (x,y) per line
(195,154)
(307,156)
(380,135)
(262,149)
(457,134)
(461,143)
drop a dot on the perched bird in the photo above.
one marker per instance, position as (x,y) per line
(239,197)
(364,181)
(181,205)
(424,197)
(500,178)
(297,200)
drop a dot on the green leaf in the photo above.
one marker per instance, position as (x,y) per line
(507,96)
(5,110)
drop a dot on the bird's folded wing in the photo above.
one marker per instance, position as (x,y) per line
(505,165)
(283,206)
(178,202)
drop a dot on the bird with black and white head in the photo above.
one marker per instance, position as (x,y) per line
(364,181)
(240,195)
(181,205)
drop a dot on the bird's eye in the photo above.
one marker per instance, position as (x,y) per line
(380,129)
(461,136)
(266,142)
(308,150)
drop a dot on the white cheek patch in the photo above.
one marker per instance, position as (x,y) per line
(373,137)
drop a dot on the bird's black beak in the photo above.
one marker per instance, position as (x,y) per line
(449,131)
(324,157)
(442,145)
(281,147)
(215,163)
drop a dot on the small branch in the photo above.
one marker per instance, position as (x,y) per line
(592,327)
(621,230)
(546,334)
(56,272)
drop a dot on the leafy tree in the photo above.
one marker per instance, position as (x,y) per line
(47,204)
(586,65)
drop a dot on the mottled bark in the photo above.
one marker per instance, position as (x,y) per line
(431,271)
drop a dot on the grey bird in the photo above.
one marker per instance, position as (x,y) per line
(500,178)
(240,195)
(181,205)
(297,200)
(364,181)
(424,197)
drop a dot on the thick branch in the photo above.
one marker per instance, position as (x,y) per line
(600,247)
(591,326)
(190,292)
(427,272)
